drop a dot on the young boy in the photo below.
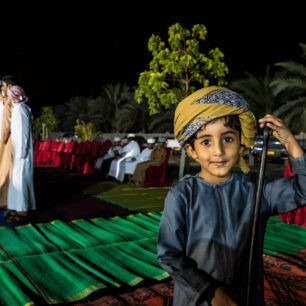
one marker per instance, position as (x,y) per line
(205,230)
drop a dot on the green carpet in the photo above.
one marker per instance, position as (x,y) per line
(78,257)
(283,238)
(70,260)
(128,196)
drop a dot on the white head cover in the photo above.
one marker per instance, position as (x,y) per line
(116,139)
(151,140)
(131,136)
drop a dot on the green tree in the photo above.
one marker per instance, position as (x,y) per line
(291,82)
(75,108)
(106,110)
(258,92)
(162,122)
(45,123)
(180,68)
(86,131)
(134,116)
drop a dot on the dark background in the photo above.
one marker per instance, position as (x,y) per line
(58,53)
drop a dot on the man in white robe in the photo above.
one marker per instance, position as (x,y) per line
(118,165)
(111,153)
(145,155)
(21,198)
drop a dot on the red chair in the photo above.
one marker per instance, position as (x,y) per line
(106,145)
(82,154)
(72,154)
(46,158)
(64,155)
(74,148)
(156,176)
(54,151)
(44,147)
(56,160)
(297,216)
(75,156)
(35,150)
(90,160)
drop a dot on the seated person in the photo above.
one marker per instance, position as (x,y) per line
(118,165)
(114,150)
(158,156)
(145,155)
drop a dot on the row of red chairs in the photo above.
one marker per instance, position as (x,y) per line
(81,156)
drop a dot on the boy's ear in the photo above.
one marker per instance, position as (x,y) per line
(190,151)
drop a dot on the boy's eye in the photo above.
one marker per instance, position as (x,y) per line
(206,142)
(228,139)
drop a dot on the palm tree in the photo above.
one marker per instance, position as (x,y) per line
(291,82)
(114,96)
(75,108)
(98,111)
(258,92)
(163,122)
(134,116)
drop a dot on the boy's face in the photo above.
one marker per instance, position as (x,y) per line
(217,149)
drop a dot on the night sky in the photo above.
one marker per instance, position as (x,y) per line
(58,54)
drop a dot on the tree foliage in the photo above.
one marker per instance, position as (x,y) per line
(74,109)
(179,68)
(291,82)
(258,92)
(86,131)
(45,123)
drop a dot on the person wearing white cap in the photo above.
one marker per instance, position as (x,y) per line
(119,164)
(158,155)
(111,153)
(142,157)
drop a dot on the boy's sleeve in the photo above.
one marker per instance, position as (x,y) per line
(171,251)
(289,193)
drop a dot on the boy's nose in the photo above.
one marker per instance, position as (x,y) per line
(218,149)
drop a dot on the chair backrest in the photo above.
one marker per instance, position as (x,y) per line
(86,149)
(165,163)
(74,145)
(95,148)
(60,146)
(67,146)
(46,146)
(105,147)
(54,145)
(79,148)
(36,145)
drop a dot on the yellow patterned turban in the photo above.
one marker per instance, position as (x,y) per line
(207,104)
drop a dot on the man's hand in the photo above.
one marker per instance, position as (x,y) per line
(283,134)
(221,298)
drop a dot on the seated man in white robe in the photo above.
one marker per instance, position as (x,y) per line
(114,150)
(118,165)
(145,155)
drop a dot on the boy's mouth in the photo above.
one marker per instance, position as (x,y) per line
(218,163)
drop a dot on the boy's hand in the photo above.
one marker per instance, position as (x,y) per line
(221,298)
(283,134)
